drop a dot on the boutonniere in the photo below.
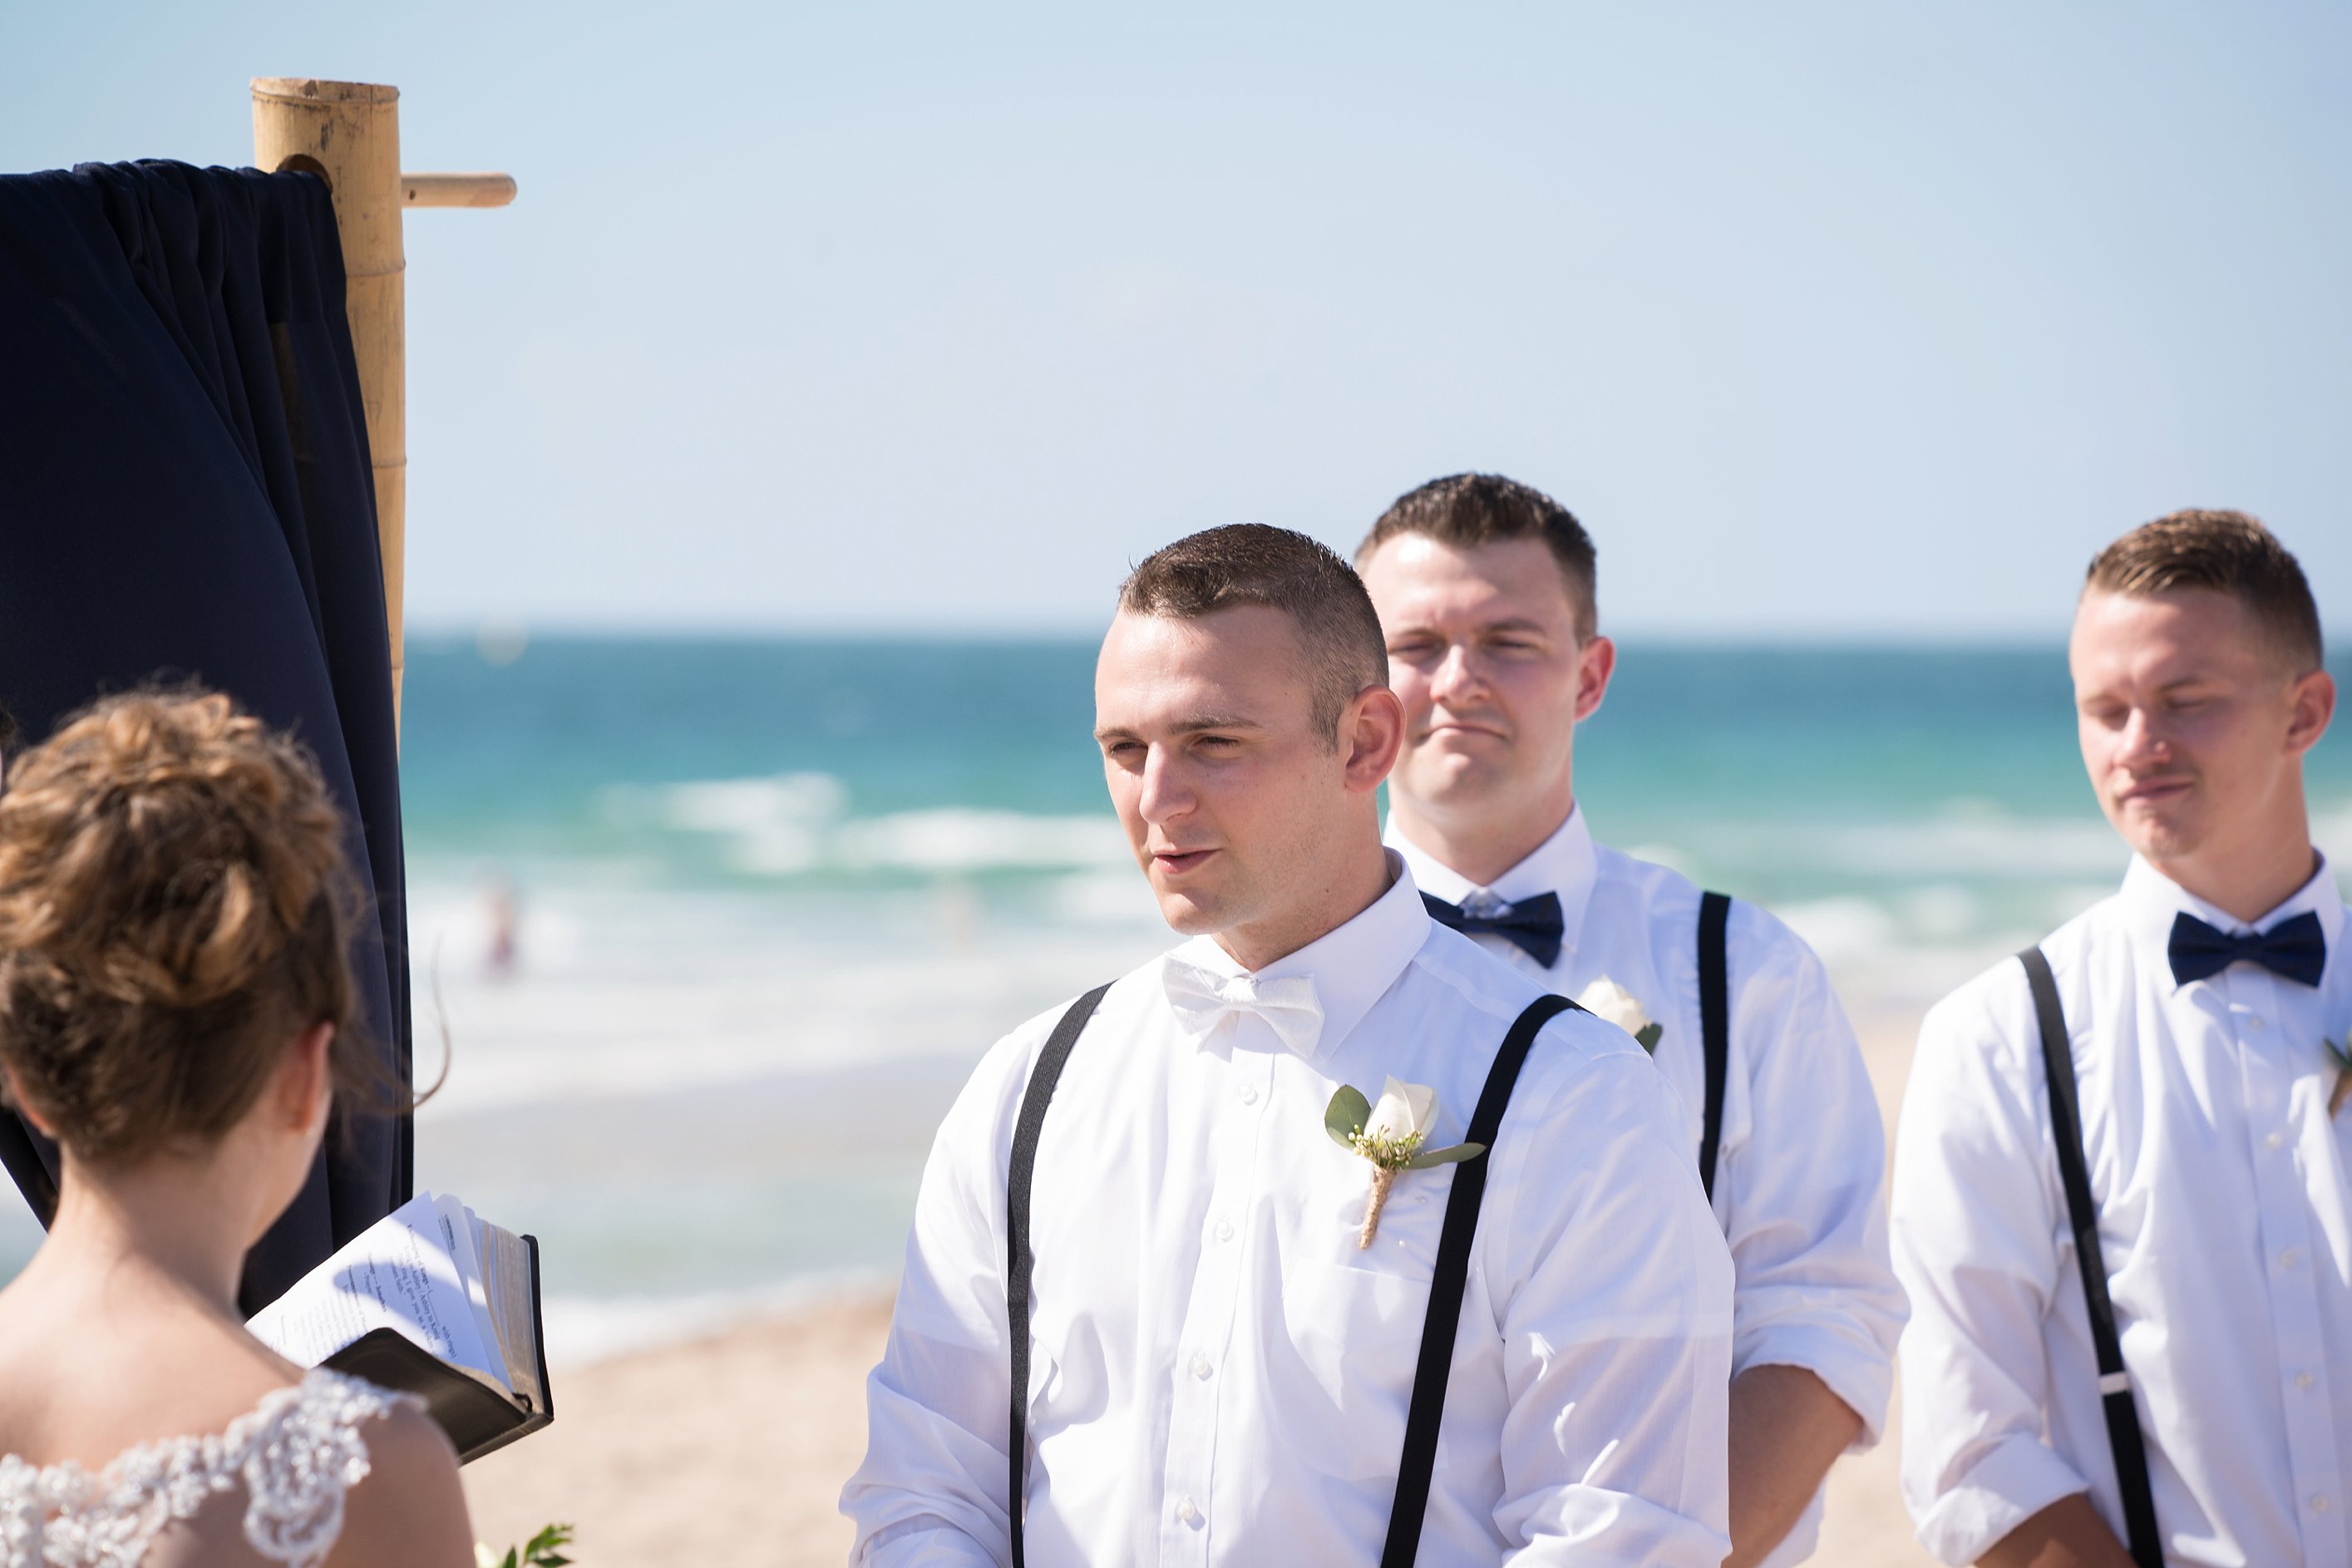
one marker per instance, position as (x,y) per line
(1389,1135)
(1605,999)
(2342,1060)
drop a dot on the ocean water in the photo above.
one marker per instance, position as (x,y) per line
(768,900)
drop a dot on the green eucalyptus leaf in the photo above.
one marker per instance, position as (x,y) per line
(1347,1115)
(1649,1035)
(541,1550)
(1460,1152)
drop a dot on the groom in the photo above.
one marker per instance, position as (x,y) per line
(1233,1355)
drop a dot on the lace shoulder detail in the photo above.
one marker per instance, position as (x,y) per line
(296,1454)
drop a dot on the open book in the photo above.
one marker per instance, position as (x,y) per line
(430,1300)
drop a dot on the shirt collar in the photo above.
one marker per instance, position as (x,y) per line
(2153,900)
(1353,966)
(1564,864)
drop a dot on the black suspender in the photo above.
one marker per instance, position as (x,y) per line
(1048,1072)
(1447,1283)
(1714,1025)
(1447,1286)
(2115,1381)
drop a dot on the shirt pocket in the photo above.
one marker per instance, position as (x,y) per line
(1344,1365)
(1351,1323)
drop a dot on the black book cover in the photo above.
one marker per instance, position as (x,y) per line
(477,1418)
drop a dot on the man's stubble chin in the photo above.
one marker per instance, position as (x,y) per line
(1450,778)
(1188,916)
(2162,836)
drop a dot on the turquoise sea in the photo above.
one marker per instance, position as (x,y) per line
(772,898)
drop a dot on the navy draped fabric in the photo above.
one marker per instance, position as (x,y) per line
(185,494)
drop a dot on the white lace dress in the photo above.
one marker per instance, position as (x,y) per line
(295,1454)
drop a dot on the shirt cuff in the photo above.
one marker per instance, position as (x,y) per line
(1862,1378)
(2009,1485)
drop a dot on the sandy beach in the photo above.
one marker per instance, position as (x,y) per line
(733,1447)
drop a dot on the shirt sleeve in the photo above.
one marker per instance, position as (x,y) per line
(1800,1191)
(1975,1244)
(932,1490)
(1613,1290)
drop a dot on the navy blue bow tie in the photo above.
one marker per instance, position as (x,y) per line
(1533,925)
(2296,949)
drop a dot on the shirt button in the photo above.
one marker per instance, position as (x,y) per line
(1200,1367)
(2304,1380)
(1224,1230)
(2254,1023)
(2290,1257)
(2275,1139)
(1248,1093)
(2319,1503)
(1189,1511)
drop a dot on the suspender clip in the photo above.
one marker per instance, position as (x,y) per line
(2114,1382)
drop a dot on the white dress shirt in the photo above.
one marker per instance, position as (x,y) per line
(2225,1219)
(1803,1153)
(1220,1375)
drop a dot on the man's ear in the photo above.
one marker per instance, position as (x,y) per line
(2313,700)
(1596,661)
(305,1080)
(1371,735)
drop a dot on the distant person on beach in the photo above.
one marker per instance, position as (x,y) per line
(2122,1205)
(1486,590)
(1254,1317)
(174,1012)
(502,915)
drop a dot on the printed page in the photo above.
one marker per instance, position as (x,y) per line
(457,1236)
(397,1274)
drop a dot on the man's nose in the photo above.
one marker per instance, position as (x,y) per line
(1165,794)
(1457,676)
(2143,741)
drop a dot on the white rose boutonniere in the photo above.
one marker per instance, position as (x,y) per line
(1604,998)
(1389,1135)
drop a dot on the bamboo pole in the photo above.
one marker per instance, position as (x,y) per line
(348,133)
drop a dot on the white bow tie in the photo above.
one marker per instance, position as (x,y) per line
(1201,996)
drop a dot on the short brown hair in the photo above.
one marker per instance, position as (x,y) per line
(1469,509)
(173,911)
(1251,563)
(2225,553)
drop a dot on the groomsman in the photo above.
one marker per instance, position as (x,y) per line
(2121,1200)
(1176,1312)
(1486,589)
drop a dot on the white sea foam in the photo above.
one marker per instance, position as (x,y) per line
(796,822)
(962,839)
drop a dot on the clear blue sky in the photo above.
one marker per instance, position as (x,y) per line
(1828,320)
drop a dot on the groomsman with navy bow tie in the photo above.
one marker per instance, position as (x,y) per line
(1325,1239)
(2121,1199)
(1486,590)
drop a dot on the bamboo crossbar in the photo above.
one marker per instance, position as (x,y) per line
(457,190)
(347,133)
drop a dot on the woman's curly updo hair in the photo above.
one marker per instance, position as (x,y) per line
(173,911)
